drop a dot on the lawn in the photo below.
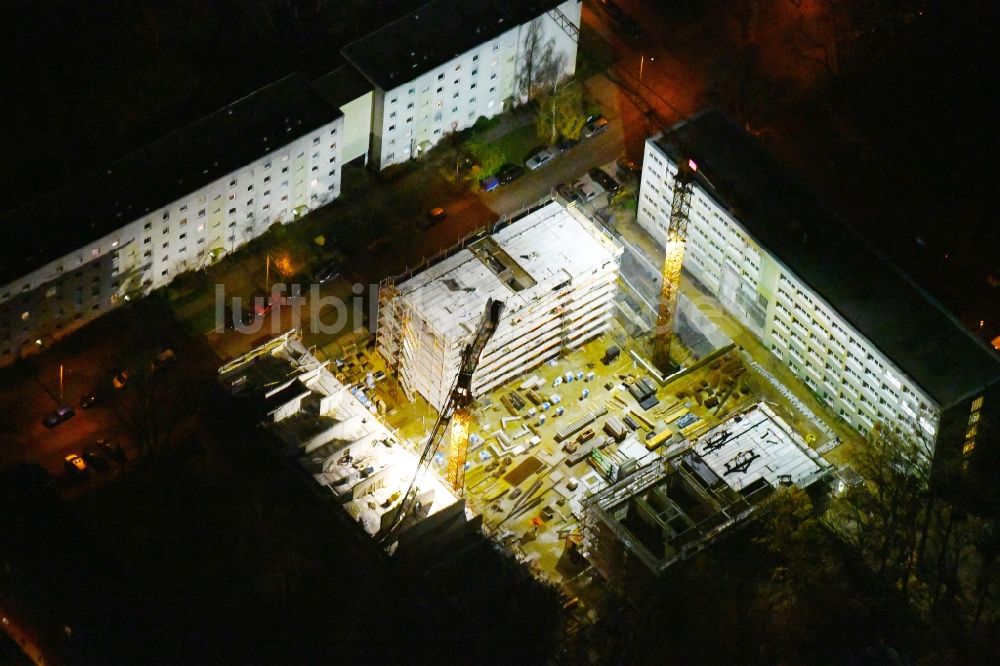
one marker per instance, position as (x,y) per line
(517,145)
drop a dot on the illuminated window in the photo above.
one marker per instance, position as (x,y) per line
(977,404)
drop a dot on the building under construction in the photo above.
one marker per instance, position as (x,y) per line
(334,432)
(674,506)
(556,273)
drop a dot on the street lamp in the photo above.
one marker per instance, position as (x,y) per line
(555,91)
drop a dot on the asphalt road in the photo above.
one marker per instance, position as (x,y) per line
(565,168)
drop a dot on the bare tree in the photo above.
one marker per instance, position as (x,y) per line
(540,67)
(154,407)
(882,518)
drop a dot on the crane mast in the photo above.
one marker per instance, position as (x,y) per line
(680,208)
(455,412)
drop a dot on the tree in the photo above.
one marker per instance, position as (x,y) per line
(883,518)
(561,113)
(541,66)
(154,407)
(489,156)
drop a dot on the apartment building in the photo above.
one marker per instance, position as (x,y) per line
(556,273)
(350,92)
(173,206)
(441,67)
(859,333)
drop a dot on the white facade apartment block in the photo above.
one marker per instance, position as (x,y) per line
(410,117)
(415,115)
(556,273)
(841,366)
(186,234)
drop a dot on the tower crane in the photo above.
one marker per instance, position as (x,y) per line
(456,412)
(680,208)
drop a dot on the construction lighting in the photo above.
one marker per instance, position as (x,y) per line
(458,447)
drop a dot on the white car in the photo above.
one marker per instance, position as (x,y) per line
(540,159)
(585,190)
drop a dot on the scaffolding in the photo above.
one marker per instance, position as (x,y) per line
(553,267)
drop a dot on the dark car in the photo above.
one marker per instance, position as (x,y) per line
(595,127)
(111,450)
(627,167)
(63,413)
(259,304)
(565,143)
(95,457)
(328,272)
(89,400)
(567,192)
(604,179)
(432,217)
(508,173)
(119,378)
(162,360)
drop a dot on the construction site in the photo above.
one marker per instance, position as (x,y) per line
(503,385)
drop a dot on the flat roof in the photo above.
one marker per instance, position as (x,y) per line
(181,162)
(548,246)
(434,34)
(342,85)
(758,446)
(903,321)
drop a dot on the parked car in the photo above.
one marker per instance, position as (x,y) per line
(540,159)
(63,413)
(432,217)
(508,173)
(627,167)
(567,192)
(604,179)
(595,127)
(259,304)
(75,464)
(94,456)
(162,360)
(119,379)
(327,272)
(565,143)
(89,399)
(111,450)
(585,190)
(489,184)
